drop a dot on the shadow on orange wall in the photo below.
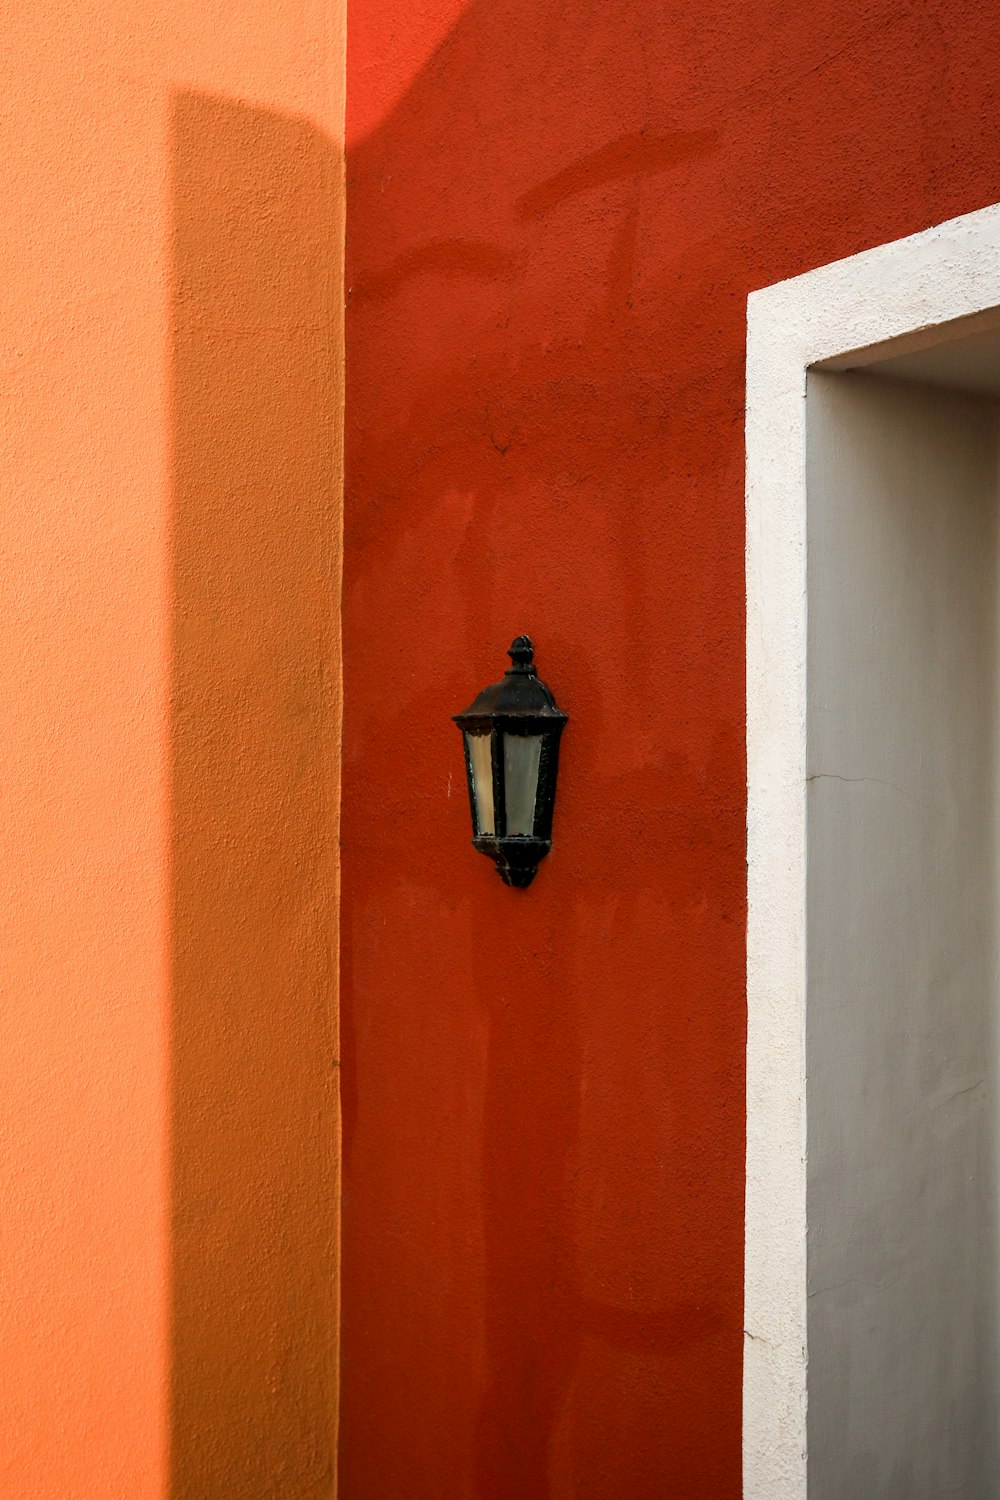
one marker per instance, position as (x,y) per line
(257,393)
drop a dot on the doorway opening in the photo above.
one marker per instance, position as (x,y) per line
(873,573)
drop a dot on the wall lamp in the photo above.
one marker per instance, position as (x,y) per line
(511,734)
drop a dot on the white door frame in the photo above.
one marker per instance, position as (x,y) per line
(902,291)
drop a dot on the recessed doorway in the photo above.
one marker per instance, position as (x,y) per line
(873,586)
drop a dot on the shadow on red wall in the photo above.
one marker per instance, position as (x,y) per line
(550,242)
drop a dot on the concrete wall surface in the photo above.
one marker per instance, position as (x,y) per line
(902,941)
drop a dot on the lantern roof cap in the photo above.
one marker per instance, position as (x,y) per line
(520,693)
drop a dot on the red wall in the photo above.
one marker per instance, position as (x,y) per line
(555,214)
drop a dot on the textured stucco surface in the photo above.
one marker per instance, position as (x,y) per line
(169,354)
(555,216)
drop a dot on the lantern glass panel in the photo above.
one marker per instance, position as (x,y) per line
(481,760)
(521,755)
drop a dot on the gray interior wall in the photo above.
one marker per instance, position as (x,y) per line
(902,913)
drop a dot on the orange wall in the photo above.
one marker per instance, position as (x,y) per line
(172,229)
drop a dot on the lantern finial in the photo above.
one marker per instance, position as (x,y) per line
(522,654)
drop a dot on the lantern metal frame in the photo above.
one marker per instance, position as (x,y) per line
(519,705)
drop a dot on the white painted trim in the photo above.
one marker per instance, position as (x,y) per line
(901,291)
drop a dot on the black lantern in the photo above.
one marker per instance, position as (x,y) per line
(511,734)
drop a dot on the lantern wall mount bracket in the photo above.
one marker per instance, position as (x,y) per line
(511,733)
